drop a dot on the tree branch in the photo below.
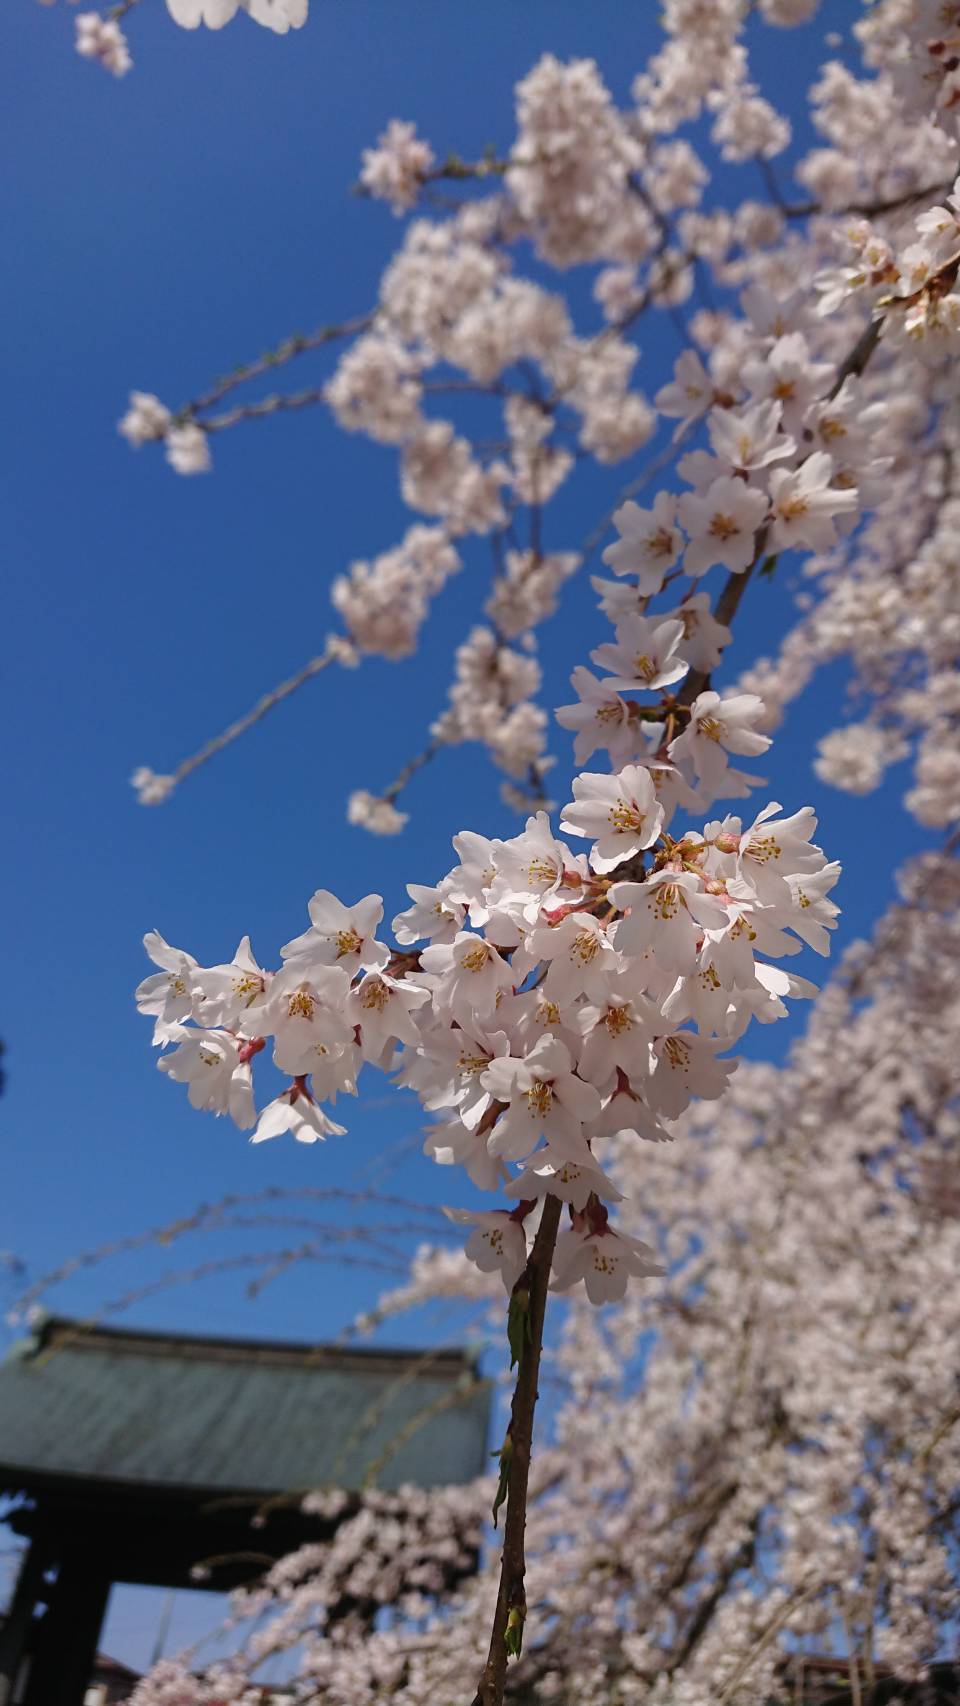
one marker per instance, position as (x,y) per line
(297,344)
(510,1595)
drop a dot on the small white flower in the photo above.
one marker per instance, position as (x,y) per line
(572,1181)
(804,503)
(103,40)
(151,789)
(650,542)
(666,917)
(621,812)
(232,994)
(544,1099)
(297,1112)
(718,726)
(306,1014)
(580,957)
(340,935)
(433,916)
(497,1244)
(748,439)
(600,719)
(605,1260)
(384,1008)
(686,1065)
(690,392)
(471,977)
(169,994)
(722,523)
(146,419)
(188,449)
(645,655)
(379,816)
(210,1064)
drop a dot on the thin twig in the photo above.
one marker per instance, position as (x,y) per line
(297,344)
(277,403)
(410,769)
(275,697)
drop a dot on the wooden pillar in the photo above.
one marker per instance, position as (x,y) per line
(65,1638)
(17,1627)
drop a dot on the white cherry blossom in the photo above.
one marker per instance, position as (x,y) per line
(497,1244)
(296,1111)
(666,916)
(604,1259)
(718,726)
(722,522)
(644,656)
(340,935)
(210,1063)
(650,542)
(805,503)
(543,1099)
(621,811)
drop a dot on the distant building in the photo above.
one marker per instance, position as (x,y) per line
(136,1456)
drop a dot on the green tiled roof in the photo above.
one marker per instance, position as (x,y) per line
(189,1415)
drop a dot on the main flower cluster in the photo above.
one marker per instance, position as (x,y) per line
(541,999)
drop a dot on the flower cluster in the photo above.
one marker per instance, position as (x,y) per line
(103,40)
(561,999)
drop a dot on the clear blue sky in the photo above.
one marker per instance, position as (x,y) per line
(158,230)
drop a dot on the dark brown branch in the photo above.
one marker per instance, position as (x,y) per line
(510,1595)
(858,357)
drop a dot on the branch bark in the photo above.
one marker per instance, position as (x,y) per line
(510,1594)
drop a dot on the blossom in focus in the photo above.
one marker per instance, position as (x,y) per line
(339,935)
(497,1244)
(718,726)
(649,542)
(621,812)
(209,1063)
(722,523)
(604,1259)
(297,1112)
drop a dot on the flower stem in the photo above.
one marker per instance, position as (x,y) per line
(511,1603)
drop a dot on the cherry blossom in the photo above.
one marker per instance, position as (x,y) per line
(622,811)
(718,726)
(649,542)
(103,40)
(721,522)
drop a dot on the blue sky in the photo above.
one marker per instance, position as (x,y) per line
(159,230)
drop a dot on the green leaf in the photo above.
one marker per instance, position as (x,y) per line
(768,566)
(505,1455)
(513,1634)
(518,1324)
